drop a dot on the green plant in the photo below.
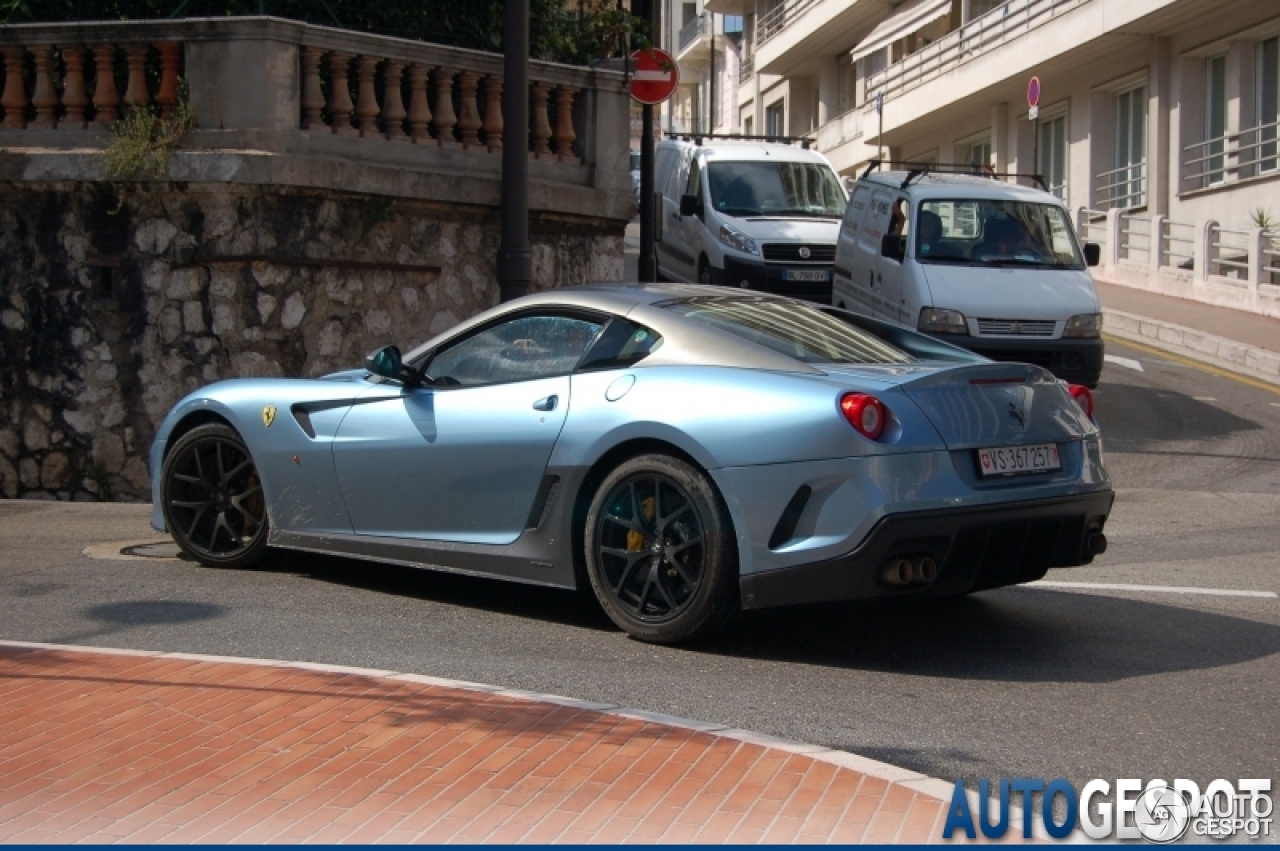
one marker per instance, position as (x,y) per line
(142,141)
(1262,218)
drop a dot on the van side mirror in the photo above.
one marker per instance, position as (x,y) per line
(1092,253)
(893,246)
(690,205)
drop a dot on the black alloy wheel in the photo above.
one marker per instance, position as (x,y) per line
(660,556)
(212,497)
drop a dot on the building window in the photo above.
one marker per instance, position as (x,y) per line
(975,152)
(1213,168)
(977,8)
(1125,186)
(1268,89)
(1051,141)
(846,84)
(775,119)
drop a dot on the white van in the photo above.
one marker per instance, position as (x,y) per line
(976,261)
(746,213)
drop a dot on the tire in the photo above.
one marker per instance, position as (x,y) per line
(212,498)
(664,571)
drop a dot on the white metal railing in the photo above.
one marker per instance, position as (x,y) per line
(1124,187)
(747,69)
(1135,238)
(1091,226)
(984,33)
(1228,250)
(1177,241)
(776,19)
(1271,257)
(1236,155)
(1205,163)
(841,129)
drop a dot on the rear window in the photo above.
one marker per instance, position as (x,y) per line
(793,328)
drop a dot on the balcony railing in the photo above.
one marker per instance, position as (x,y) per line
(376,88)
(1123,188)
(983,34)
(776,19)
(747,70)
(843,128)
(691,31)
(1232,156)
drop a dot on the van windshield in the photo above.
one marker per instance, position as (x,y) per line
(995,233)
(771,188)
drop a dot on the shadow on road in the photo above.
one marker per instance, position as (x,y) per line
(118,617)
(1152,415)
(1011,635)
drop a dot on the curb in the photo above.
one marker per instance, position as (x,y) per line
(1232,355)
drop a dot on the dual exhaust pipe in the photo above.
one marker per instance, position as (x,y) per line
(909,570)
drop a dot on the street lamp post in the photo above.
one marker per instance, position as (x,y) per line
(514,264)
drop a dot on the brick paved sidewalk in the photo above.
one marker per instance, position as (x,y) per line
(147,747)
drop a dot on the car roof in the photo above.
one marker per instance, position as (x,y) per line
(938,185)
(731,150)
(685,341)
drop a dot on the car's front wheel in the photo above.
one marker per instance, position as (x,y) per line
(212,498)
(660,551)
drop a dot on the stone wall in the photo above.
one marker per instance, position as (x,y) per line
(114,303)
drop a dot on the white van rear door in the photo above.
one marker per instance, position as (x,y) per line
(849,282)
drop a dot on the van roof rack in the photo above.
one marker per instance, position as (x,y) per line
(917,170)
(696,138)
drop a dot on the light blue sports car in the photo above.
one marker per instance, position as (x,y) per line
(686,451)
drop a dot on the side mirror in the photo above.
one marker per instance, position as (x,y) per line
(386,363)
(893,246)
(1092,253)
(690,206)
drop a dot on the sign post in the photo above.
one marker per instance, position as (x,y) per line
(653,80)
(1033,113)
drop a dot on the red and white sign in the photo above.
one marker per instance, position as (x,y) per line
(655,77)
(1033,92)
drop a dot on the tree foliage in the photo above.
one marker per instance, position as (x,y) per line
(576,31)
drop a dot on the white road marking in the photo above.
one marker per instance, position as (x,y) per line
(1159,589)
(1274,404)
(1204,398)
(1128,363)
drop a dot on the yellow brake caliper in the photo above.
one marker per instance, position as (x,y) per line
(635,540)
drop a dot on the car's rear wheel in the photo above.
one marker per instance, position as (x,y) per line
(660,551)
(212,498)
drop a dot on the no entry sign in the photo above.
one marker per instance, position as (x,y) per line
(655,77)
(1033,92)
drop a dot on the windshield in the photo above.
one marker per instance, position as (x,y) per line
(792,328)
(771,188)
(996,233)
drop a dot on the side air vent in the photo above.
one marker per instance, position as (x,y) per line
(542,501)
(304,420)
(786,528)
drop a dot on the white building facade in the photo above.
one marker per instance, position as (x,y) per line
(1157,119)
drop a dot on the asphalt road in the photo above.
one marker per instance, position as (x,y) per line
(1041,681)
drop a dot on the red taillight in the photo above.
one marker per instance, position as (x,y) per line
(865,413)
(1083,398)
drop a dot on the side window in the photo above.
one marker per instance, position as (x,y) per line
(622,344)
(695,179)
(519,349)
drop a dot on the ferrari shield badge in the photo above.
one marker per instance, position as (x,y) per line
(268,415)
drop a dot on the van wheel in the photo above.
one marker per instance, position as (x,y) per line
(705,272)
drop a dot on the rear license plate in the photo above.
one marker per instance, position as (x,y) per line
(806,274)
(1012,460)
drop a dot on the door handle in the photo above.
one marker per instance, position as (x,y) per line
(547,404)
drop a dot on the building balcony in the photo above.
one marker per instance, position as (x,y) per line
(792,37)
(694,36)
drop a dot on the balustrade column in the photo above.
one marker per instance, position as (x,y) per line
(136,94)
(167,96)
(393,113)
(14,99)
(340,106)
(312,93)
(565,136)
(469,121)
(74,95)
(541,122)
(493,113)
(45,97)
(419,110)
(105,96)
(445,118)
(366,98)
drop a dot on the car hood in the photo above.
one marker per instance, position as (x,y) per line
(763,229)
(993,293)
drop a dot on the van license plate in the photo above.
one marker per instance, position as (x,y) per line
(806,274)
(1012,460)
